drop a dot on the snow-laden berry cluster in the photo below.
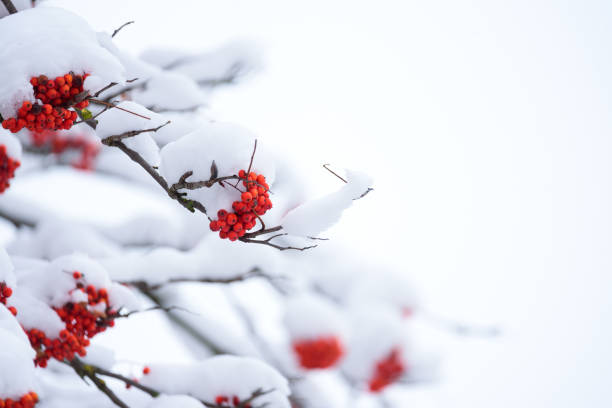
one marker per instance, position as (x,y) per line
(63,304)
(10,156)
(54,98)
(317,331)
(59,142)
(254,202)
(83,320)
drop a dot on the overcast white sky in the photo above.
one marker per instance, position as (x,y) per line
(486,126)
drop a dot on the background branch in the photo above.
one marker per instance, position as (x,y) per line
(10,7)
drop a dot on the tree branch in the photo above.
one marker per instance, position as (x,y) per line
(10,7)
(253,273)
(85,370)
(119,29)
(115,138)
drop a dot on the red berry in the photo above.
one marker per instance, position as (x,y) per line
(231,219)
(246,197)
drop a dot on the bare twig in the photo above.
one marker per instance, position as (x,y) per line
(190,205)
(85,370)
(154,308)
(249,238)
(111,105)
(119,29)
(333,172)
(185,325)
(110,139)
(253,273)
(16,220)
(10,7)
(252,157)
(461,329)
(364,193)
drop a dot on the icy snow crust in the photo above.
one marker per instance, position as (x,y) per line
(221,375)
(61,41)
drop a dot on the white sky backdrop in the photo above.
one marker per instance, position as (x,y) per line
(486,126)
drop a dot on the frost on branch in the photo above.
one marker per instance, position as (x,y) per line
(220,379)
(61,43)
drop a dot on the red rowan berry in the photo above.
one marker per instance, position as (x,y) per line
(146,370)
(246,197)
(231,219)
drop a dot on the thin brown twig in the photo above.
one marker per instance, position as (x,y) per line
(115,138)
(119,29)
(333,172)
(99,102)
(253,273)
(252,157)
(85,370)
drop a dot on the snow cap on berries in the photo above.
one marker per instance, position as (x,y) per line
(376,331)
(17,355)
(60,41)
(218,376)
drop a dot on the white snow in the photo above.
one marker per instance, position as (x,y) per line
(16,358)
(316,216)
(115,122)
(161,264)
(61,41)
(230,147)
(221,376)
(13,147)
(309,317)
(170,91)
(375,332)
(174,401)
(6,269)
(237,58)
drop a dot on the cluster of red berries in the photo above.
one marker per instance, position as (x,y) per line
(254,202)
(321,353)
(26,401)
(56,96)
(81,325)
(387,371)
(8,165)
(59,144)
(5,293)
(223,401)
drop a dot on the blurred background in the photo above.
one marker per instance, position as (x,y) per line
(486,127)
